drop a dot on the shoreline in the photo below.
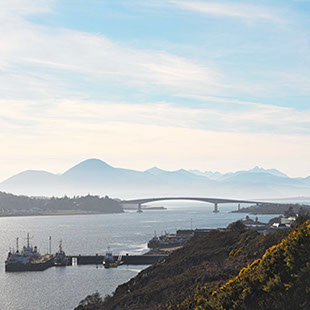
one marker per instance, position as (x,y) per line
(59,213)
(257,212)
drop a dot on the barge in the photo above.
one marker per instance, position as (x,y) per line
(28,259)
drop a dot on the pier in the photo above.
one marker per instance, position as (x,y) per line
(126,259)
(73,260)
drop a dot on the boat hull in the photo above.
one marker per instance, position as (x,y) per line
(38,266)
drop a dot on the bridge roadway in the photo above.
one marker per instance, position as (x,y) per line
(215,201)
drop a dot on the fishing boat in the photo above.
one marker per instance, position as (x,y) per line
(110,261)
(60,258)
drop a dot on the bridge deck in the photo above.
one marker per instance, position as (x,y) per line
(203,199)
(215,201)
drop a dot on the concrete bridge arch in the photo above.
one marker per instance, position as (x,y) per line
(215,201)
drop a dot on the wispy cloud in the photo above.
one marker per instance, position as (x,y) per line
(232,9)
(42,61)
(243,117)
(48,110)
(23,8)
(143,135)
(30,51)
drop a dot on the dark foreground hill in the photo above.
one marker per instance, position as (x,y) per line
(279,280)
(205,261)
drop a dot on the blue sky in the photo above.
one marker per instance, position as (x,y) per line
(210,85)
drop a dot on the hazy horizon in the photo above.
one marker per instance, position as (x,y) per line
(93,176)
(139,168)
(190,169)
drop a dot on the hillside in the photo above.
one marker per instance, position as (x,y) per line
(279,280)
(217,256)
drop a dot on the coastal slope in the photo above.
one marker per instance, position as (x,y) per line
(212,258)
(279,280)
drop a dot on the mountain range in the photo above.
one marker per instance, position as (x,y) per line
(220,176)
(93,176)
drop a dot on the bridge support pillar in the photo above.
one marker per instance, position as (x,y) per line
(139,208)
(216,208)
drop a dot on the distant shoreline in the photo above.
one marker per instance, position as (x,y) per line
(61,212)
(274,209)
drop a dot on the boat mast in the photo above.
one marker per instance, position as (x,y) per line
(17,245)
(28,240)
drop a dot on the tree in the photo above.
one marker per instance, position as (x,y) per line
(91,300)
(236,226)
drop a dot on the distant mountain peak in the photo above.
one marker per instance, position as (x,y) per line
(89,165)
(183,171)
(209,174)
(29,172)
(34,177)
(155,171)
(257,168)
(92,162)
(274,172)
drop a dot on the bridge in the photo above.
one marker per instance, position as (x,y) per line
(215,201)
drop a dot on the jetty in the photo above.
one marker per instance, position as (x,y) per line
(126,259)
(48,261)
(29,259)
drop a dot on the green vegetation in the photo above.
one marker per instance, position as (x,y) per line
(22,205)
(288,209)
(205,274)
(279,280)
(91,302)
(212,258)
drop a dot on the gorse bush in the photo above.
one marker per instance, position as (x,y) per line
(279,280)
(210,258)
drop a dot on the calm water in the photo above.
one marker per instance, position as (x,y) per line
(63,288)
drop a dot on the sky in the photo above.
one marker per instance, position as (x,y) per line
(208,85)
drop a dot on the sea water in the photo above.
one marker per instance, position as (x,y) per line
(64,287)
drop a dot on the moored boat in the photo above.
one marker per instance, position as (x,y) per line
(28,259)
(60,257)
(110,261)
